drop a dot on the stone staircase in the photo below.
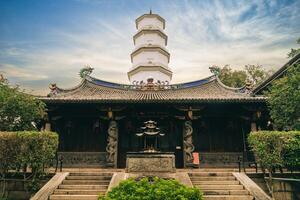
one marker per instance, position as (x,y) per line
(82,186)
(219,185)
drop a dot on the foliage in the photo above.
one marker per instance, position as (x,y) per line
(284,100)
(232,78)
(27,148)
(157,189)
(9,150)
(37,149)
(87,70)
(256,74)
(238,78)
(291,150)
(267,147)
(275,149)
(18,110)
(294,52)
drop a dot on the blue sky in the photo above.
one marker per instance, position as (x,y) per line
(45,41)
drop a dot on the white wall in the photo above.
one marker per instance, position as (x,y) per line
(153,56)
(150,38)
(147,21)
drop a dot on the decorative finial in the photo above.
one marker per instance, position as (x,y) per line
(215,70)
(150,11)
(85,71)
(53,90)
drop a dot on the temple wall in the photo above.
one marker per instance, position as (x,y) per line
(16,188)
(83,159)
(219,159)
(83,133)
(283,189)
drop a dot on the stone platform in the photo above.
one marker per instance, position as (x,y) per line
(137,162)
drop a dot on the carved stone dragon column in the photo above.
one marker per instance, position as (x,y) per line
(112,145)
(188,147)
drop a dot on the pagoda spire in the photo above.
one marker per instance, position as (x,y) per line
(150,58)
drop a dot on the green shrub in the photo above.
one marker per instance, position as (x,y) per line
(275,149)
(9,150)
(291,150)
(267,147)
(38,148)
(156,189)
(27,148)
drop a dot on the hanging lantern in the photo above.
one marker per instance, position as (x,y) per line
(258,114)
(190,113)
(110,113)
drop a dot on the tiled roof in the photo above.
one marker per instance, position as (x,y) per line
(205,90)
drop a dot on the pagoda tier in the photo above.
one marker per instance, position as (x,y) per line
(150,58)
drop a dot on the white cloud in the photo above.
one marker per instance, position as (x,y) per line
(14,72)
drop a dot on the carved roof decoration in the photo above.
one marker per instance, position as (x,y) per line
(92,90)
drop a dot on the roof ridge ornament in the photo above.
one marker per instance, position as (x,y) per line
(85,71)
(215,70)
(150,85)
(53,90)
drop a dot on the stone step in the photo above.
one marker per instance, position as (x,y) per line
(220,187)
(210,174)
(83,187)
(74,197)
(86,182)
(90,174)
(80,192)
(215,182)
(228,197)
(88,177)
(225,192)
(213,178)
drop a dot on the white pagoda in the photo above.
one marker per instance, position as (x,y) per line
(150,58)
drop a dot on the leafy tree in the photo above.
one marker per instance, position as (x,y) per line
(256,74)
(274,150)
(232,78)
(238,78)
(18,110)
(294,52)
(284,100)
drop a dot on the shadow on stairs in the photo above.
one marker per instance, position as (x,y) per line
(82,186)
(219,186)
